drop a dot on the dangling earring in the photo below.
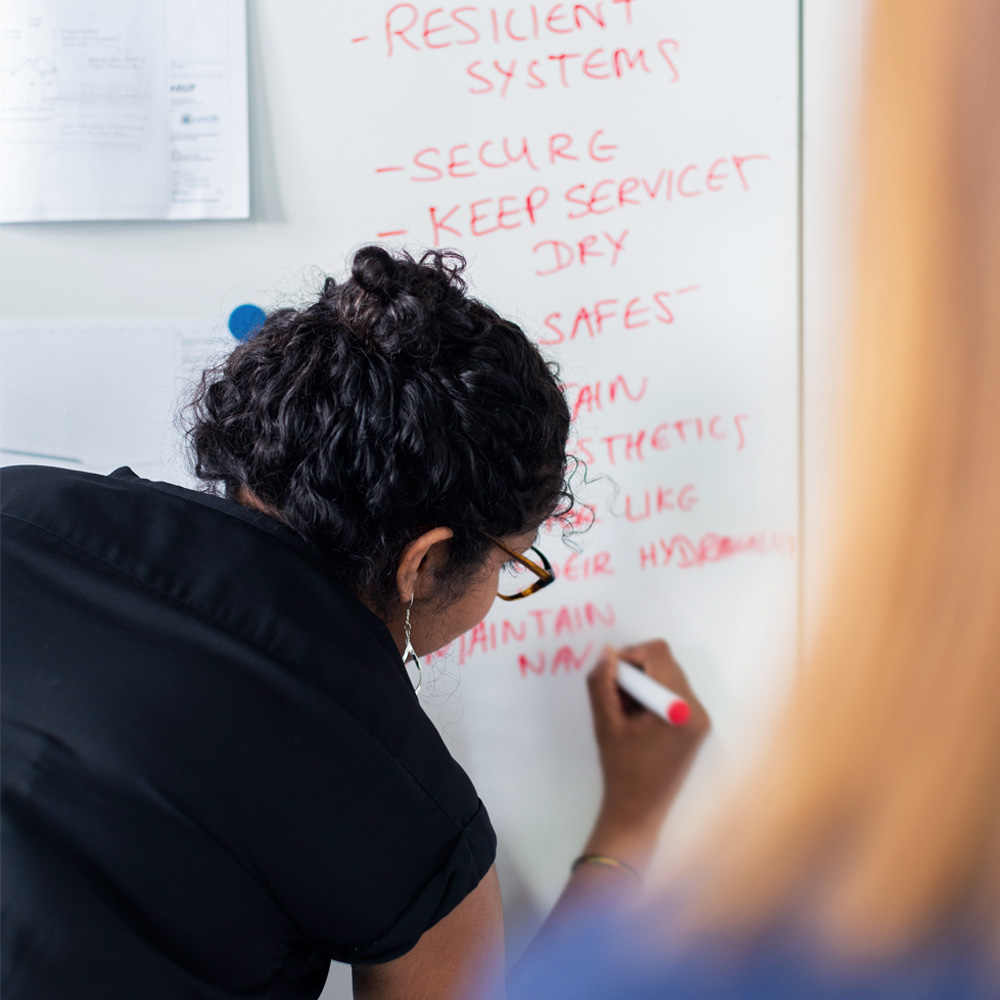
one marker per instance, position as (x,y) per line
(409,652)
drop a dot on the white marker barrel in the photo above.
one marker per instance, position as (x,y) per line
(651,694)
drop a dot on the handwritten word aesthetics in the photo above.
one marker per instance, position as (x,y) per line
(639,445)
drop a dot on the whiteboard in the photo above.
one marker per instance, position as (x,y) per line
(637,214)
(625,181)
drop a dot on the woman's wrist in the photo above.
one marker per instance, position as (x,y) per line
(630,841)
(607,862)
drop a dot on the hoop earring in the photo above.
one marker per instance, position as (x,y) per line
(409,652)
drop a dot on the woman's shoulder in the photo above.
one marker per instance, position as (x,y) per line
(607,957)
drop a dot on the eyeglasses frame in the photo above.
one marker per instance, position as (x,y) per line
(544,572)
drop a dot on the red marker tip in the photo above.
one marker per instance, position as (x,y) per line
(678,712)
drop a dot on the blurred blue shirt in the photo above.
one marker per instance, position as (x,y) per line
(601,959)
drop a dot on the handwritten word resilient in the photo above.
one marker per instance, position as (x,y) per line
(408,30)
(406,27)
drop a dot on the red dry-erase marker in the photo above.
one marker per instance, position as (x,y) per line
(651,694)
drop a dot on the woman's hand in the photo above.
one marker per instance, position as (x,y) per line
(644,759)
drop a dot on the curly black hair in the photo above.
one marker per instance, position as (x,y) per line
(394,403)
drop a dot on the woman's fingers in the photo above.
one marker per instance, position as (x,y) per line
(643,757)
(605,700)
(656,659)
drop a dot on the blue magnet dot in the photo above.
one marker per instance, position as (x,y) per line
(246,320)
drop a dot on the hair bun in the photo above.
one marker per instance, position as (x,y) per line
(377,273)
(390,301)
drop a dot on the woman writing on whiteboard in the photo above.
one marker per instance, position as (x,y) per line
(217,776)
(863,860)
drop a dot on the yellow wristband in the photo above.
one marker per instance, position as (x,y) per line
(605,861)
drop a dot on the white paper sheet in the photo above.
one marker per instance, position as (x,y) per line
(98,394)
(123,109)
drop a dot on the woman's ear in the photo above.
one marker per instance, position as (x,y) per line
(421,562)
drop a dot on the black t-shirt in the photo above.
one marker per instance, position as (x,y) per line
(216,775)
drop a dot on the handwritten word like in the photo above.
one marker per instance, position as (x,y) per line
(661,500)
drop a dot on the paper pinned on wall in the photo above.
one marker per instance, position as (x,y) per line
(123,109)
(96,394)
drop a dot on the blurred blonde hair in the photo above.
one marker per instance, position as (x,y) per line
(879,807)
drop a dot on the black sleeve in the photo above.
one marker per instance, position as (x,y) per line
(231,758)
(366,853)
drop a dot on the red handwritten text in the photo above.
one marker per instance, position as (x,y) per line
(637,446)
(579,566)
(567,69)
(690,181)
(406,28)
(611,314)
(661,500)
(539,623)
(561,255)
(685,553)
(566,659)
(466,159)
(488,215)
(592,396)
